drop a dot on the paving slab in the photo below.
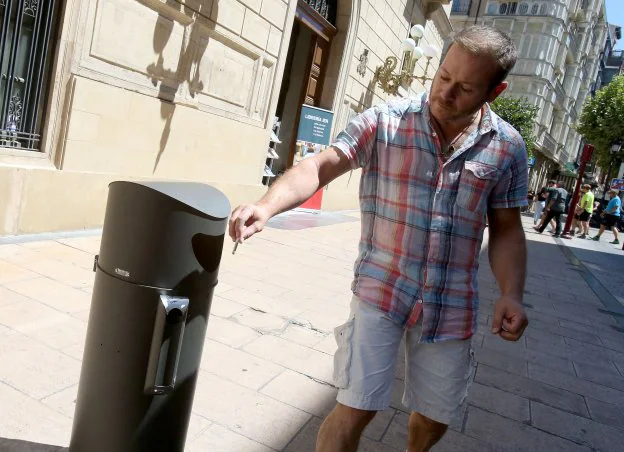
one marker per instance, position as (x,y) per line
(531,389)
(576,385)
(605,413)
(265,377)
(515,436)
(575,428)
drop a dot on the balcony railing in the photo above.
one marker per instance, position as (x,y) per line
(461,7)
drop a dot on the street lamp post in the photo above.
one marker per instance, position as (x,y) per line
(586,156)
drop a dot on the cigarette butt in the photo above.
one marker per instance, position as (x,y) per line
(235,247)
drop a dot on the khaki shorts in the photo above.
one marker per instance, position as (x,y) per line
(437,376)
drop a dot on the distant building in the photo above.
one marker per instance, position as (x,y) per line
(611,61)
(559,44)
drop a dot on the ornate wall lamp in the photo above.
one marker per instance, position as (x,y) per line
(390,82)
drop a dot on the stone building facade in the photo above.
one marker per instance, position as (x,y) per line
(180,90)
(559,44)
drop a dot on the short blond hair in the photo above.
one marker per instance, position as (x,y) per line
(488,41)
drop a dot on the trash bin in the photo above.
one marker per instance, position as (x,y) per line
(155,276)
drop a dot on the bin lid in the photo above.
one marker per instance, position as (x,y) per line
(201,197)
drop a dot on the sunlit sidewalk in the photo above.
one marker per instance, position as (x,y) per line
(265,382)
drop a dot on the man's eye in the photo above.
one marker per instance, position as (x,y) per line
(466,90)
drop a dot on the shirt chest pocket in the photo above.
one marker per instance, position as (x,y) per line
(475,184)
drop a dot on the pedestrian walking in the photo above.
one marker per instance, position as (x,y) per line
(531,200)
(432,167)
(610,216)
(584,210)
(540,203)
(542,218)
(555,206)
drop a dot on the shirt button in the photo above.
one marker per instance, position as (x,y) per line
(419,301)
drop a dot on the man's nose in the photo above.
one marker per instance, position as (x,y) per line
(448,93)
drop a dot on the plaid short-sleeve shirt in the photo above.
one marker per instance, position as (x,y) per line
(423,218)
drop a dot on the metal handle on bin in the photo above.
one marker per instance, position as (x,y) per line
(166,344)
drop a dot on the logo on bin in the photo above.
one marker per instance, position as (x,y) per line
(124,273)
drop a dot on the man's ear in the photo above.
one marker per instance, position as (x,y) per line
(497,91)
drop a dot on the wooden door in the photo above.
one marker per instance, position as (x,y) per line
(318,64)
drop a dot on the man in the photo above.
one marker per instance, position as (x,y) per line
(542,216)
(555,206)
(432,168)
(584,209)
(611,215)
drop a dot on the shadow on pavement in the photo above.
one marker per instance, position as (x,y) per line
(15,445)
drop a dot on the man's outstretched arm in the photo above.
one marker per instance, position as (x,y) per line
(508,259)
(289,191)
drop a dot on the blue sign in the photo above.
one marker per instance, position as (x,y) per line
(315,125)
(531,162)
(617,184)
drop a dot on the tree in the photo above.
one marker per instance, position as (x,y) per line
(521,114)
(602,120)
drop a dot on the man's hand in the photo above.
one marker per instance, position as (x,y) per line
(246,220)
(510,320)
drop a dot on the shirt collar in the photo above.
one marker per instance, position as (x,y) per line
(489,121)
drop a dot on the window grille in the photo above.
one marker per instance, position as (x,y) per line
(326,8)
(26,34)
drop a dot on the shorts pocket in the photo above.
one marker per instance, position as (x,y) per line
(475,183)
(342,357)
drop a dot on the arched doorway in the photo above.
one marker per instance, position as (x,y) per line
(316,69)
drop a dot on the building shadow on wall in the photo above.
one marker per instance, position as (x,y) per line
(192,51)
(16,445)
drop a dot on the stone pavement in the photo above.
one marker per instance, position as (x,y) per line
(266,370)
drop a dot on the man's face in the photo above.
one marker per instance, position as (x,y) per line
(462,84)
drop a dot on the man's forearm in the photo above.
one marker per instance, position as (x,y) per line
(293,188)
(508,259)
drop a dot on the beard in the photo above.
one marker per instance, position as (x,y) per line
(448,112)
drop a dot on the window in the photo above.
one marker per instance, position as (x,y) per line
(512,8)
(502,10)
(523,8)
(461,6)
(544,9)
(535,8)
(25,46)
(492,8)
